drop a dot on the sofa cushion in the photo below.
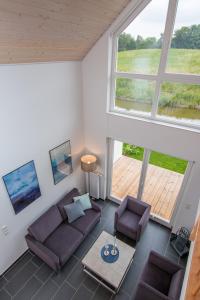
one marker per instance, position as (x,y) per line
(84,200)
(64,241)
(74,211)
(66,200)
(87,222)
(136,206)
(156,278)
(128,223)
(46,224)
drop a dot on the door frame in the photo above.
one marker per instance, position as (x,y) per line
(110,171)
(143,174)
(182,190)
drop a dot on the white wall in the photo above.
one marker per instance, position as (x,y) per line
(100,125)
(40,107)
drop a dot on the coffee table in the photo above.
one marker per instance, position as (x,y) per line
(110,275)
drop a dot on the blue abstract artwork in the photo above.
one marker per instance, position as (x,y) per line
(61,161)
(22,186)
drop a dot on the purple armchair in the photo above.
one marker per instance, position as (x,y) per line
(161,279)
(131,217)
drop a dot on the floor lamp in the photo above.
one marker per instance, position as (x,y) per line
(88,165)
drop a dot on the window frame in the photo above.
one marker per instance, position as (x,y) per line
(161,76)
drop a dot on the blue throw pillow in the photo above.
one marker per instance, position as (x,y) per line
(74,211)
(84,200)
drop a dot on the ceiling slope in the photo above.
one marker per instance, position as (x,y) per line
(53,30)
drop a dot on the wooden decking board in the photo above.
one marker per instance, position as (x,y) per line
(161,187)
(154,198)
(161,194)
(126,176)
(152,186)
(170,198)
(171,195)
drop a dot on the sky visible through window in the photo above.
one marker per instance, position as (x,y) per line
(147,23)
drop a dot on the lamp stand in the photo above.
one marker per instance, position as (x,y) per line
(89,186)
(89,183)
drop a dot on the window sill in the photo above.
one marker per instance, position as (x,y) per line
(156,121)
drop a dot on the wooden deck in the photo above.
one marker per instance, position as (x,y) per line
(161,186)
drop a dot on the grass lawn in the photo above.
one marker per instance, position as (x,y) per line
(146,61)
(177,100)
(156,158)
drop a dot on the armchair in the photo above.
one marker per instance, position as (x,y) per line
(161,279)
(131,217)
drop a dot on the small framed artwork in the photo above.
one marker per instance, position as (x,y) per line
(22,186)
(61,161)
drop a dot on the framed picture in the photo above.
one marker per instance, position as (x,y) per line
(22,186)
(61,161)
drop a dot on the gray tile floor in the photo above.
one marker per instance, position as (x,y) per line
(29,278)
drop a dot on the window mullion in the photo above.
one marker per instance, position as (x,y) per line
(156,98)
(169,26)
(135,76)
(182,78)
(113,70)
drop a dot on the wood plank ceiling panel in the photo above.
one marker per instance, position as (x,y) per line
(53,30)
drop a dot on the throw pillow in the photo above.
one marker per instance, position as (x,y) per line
(84,200)
(74,211)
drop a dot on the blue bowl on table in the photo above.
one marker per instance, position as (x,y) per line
(110,258)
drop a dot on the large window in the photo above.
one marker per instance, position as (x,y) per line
(156,64)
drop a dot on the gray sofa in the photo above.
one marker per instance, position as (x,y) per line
(53,239)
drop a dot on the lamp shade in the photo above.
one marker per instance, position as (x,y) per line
(88,163)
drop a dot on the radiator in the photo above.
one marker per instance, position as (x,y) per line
(94,184)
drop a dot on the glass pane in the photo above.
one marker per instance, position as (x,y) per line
(179,101)
(162,184)
(134,94)
(184,55)
(127,166)
(139,46)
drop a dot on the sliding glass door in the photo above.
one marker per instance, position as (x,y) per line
(163,181)
(147,175)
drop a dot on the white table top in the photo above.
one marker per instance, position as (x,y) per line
(113,273)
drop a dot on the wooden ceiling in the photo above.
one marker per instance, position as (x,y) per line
(53,30)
